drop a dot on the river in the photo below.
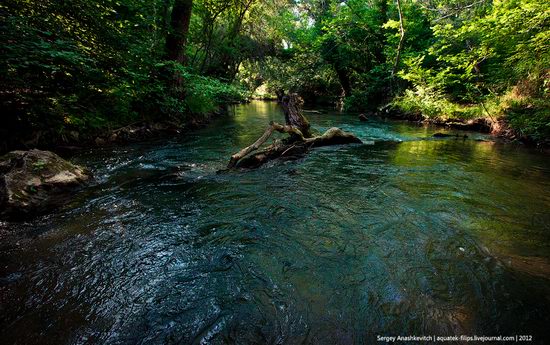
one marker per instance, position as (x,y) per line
(410,236)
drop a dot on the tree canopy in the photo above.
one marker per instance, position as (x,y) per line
(88,65)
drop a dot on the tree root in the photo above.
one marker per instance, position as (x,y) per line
(300,141)
(296,145)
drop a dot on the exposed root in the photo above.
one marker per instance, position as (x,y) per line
(273,126)
(299,142)
(333,136)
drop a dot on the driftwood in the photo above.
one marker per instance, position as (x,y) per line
(300,141)
(293,114)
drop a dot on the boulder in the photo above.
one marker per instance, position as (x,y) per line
(363,118)
(34,181)
(100,141)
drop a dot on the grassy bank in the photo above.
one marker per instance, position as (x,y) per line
(519,114)
(143,111)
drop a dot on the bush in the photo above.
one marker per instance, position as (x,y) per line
(358,101)
(198,95)
(205,94)
(530,118)
(426,101)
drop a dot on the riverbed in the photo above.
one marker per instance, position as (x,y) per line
(411,235)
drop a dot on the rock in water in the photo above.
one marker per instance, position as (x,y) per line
(34,181)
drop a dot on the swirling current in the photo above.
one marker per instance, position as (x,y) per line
(411,235)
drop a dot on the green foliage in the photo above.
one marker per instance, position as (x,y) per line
(506,45)
(72,64)
(199,95)
(428,102)
(206,94)
(224,34)
(328,46)
(479,53)
(531,119)
(87,65)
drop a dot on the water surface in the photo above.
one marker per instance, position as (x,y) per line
(411,235)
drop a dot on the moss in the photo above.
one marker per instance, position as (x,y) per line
(39,165)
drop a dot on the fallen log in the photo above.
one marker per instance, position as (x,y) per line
(300,140)
(294,116)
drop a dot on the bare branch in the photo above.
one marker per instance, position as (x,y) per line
(273,126)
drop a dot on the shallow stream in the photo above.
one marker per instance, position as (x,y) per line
(411,235)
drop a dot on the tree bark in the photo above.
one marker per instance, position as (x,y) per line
(293,114)
(401,39)
(298,143)
(343,77)
(280,94)
(273,126)
(179,28)
(290,150)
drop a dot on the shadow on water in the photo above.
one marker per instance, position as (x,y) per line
(409,236)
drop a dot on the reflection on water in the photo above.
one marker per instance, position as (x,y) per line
(410,236)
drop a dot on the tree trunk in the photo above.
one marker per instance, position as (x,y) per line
(401,39)
(179,27)
(293,114)
(280,94)
(300,141)
(343,77)
(382,7)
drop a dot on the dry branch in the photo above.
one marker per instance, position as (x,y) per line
(273,126)
(293,114)
(300,141)
(296,147)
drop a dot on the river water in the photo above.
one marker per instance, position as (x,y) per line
(409,236)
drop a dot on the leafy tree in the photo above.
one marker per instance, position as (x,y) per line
(85,66)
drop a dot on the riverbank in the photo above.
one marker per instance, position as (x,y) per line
(71,140)
(513,116)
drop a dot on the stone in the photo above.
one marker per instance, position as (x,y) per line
(32,182)
(74,135)
(113,137)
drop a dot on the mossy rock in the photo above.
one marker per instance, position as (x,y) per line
(34,181)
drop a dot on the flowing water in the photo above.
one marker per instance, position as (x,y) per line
(411,235)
